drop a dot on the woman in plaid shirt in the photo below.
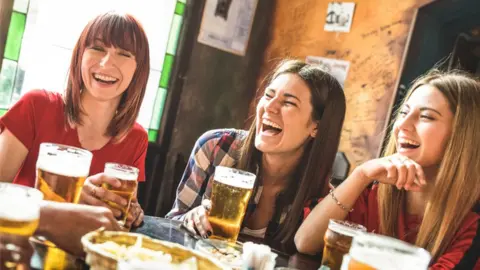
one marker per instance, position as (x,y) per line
(290,146)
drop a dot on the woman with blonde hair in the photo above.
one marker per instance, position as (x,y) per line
(428,180)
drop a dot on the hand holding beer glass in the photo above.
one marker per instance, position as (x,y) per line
(128,176)
(19,217)
(231,191)
(338,239)
(223,214)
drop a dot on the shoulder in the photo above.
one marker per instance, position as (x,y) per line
(39,96)
(137,137)
(222,136)
(138,131)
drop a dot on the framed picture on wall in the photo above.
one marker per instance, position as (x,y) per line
(226,24)
(339,16)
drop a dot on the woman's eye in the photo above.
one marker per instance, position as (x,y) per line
(290,103)
(125,54)
(427,117)
(98,48)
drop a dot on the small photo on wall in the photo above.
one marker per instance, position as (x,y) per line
(339,16)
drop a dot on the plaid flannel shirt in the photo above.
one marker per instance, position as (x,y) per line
(217,147)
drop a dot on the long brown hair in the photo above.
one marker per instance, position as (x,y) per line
(121,31)
(311,178)
(457,188)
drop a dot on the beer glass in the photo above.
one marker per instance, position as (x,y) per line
(61,172)
(373,251)
(231,191)
(338,239)
(19,212)
(127,175)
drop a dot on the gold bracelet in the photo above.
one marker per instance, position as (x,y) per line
(339,203)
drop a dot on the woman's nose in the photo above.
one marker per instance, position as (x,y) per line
(273,105)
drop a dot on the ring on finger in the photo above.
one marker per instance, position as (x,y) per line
(94,191)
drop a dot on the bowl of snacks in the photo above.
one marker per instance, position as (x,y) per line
(228,253)
(112,250)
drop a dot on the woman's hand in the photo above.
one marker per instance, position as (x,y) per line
(93,193)
(196,220)
(135,214)
(396,170)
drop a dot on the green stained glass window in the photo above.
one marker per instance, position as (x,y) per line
(152,135)
(42,35)
(174,34)
(180,8)
(7,80)
(166,71)
(158,108)
(14,36)
(2,112)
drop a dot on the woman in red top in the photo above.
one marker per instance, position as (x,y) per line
(106,84)
(428,179)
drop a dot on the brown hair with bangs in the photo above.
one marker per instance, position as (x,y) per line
(120,31)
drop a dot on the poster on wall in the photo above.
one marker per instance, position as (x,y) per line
(226,24)
(339,16)
(338,68)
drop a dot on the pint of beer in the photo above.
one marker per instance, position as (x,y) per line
(19,209)
(338,239)
(127,175)
(372,251)
(231,191)
(61,172)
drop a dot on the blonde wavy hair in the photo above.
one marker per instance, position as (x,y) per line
(457,186)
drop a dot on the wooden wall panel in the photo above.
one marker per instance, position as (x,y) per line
(375,47)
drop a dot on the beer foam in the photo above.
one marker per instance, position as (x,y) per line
(234,177)
(73,162)
(17,208)
(121,174)
(384,252)
(348,229)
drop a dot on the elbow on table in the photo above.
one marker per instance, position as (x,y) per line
(304,244)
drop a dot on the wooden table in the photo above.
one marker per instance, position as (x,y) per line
(169,230)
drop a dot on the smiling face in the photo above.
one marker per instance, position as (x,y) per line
(284,116)
(107,71)
(424,126)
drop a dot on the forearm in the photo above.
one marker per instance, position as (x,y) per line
(317,221)
(47,214)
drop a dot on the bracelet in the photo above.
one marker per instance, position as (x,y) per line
(339,203)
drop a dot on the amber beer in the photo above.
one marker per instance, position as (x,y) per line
(371,251)
(19,209)
(231,191)
(338,239)
(61,172)
(128,176)
(19,213)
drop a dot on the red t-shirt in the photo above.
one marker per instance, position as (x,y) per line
(39,117)
(463,252)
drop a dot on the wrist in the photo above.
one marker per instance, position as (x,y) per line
(46,216)
(360,177)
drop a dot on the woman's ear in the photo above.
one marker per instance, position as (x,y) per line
(313,133)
